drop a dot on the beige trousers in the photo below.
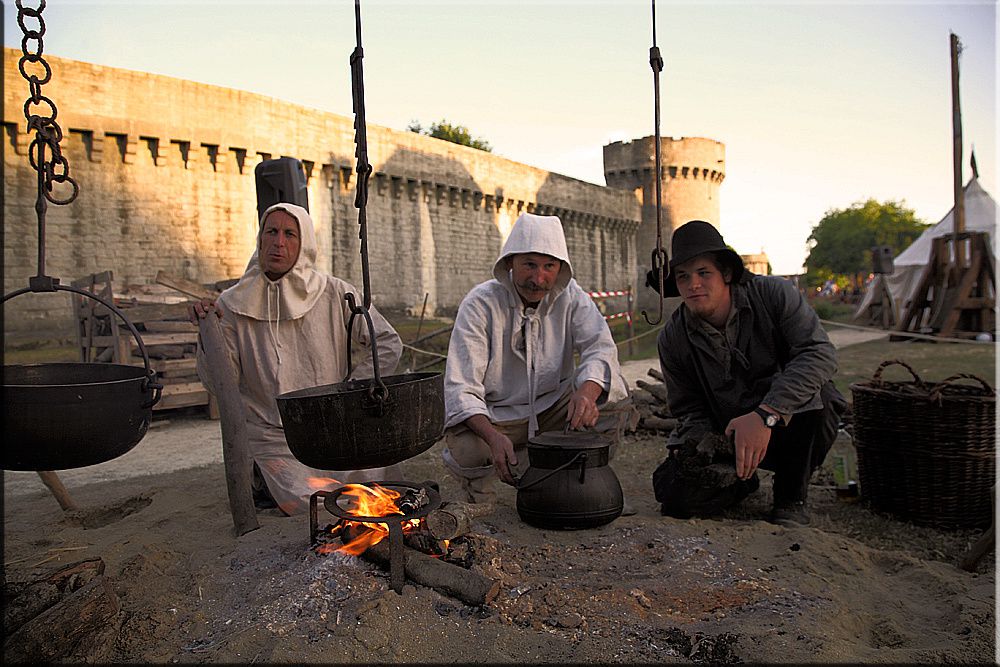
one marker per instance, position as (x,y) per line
(468,458)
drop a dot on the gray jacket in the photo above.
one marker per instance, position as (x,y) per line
(781,357)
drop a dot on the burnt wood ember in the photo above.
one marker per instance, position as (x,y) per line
(412,500)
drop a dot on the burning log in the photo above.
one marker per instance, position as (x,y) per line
(70,615)
(465,585)
(453,519)
(446,578)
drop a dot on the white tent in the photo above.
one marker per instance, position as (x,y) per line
(908,266)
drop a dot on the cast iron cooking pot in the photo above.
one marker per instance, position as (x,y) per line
(344,427)
(70,415)
(569,484)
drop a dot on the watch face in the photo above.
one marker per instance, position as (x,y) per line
(772,420)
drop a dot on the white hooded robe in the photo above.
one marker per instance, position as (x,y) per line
(291,334)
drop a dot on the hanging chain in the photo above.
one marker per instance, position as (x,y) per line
(48,134)
(659,258)
(378,391)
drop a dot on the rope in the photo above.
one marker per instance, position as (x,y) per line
(906,334)
(642,335)
(419,351)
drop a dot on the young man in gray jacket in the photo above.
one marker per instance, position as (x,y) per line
(745,357)
(511,371)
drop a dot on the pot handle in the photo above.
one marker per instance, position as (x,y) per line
(552,472)
(52,285)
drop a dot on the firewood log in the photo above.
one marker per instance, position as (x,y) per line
(81,627)
(659,423)
(454,519)
(465,585)
(657,390)
(655,374)
(643,397)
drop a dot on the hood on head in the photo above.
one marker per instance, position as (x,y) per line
(296,291)
(307,236)
(542,234)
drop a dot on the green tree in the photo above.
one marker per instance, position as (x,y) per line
(840,244)
(457,134)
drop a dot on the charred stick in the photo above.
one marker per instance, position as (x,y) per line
(655,374)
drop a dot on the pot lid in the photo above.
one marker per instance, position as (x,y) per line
(570,440)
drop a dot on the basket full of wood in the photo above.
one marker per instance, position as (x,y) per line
(926,450)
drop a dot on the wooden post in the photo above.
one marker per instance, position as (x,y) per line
(628,319)
(956,122)
(234,427)
(55,485)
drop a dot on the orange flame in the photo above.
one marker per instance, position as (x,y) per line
(371,501)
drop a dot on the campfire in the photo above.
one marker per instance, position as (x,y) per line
(404,527)
(365,501)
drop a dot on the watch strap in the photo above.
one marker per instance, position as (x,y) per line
(770,419)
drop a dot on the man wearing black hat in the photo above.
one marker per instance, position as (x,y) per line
(744,356)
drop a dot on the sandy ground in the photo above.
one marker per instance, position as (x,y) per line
(853,587)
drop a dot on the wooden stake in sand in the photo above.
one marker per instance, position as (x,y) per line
(234,427)
(55,485)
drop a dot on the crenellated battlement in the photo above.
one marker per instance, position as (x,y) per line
(166,174)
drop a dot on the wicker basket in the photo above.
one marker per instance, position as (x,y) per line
(926,451)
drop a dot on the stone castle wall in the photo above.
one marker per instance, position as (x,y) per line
(693,171)
(166,174)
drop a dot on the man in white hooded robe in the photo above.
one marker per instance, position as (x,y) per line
(285,327)
(511,371)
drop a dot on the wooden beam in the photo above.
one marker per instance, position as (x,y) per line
(184,286)
(235,452)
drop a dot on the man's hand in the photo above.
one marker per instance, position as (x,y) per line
(199,310)
(582,410)
(750,439)
(504,459)
(501,447)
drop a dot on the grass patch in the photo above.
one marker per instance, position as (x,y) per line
(932,361)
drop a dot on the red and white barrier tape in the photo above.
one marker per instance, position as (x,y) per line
(604,295)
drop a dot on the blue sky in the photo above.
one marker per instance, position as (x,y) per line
(820,105)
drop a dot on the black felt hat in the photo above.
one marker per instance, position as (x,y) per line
(691,239)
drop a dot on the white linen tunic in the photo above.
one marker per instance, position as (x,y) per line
(274,356)
(510,362)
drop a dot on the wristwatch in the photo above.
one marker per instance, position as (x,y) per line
(770,419)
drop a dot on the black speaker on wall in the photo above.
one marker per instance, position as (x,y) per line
(882,259)
(282,180)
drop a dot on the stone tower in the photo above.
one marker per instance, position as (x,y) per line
(693,169)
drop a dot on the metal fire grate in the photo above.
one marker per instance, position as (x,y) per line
(394,522)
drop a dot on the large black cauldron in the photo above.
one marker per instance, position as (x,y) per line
(569,484)
(345,427)
(70,415)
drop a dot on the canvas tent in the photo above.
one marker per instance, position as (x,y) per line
(908,266)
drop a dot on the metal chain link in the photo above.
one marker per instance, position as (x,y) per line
(48,134)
